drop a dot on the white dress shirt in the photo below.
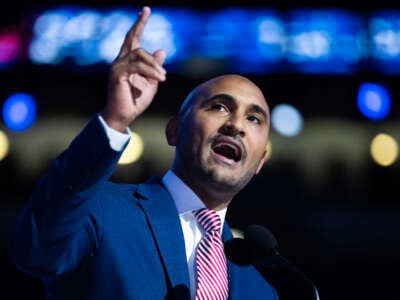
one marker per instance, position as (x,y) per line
(117,139)
(186,201)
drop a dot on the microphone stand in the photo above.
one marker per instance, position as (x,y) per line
(266,265)
(260,249)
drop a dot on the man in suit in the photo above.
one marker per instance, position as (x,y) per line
(88,238)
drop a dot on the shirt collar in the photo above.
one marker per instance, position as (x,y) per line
(185,199)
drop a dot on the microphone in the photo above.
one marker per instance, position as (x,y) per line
(260,249)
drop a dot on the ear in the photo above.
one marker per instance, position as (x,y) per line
(261,163)
(171,131)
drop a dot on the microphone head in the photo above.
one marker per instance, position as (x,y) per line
(258,242)
(262,239)
(237,251)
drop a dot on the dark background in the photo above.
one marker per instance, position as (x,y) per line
(343,232)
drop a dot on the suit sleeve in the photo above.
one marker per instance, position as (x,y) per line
(61,225)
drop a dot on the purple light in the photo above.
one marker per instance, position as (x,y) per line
(10,47)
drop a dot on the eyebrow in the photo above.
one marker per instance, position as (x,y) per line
(259,110)
(227,97)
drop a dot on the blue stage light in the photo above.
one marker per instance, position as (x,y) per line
(19,111)
(385,40)
(159,34)
(47,44)
(114,26)
(89,37)
(262,43)
(230,40)
(271,36)
(224,34)
(373,101)
(286,120)
(325,41)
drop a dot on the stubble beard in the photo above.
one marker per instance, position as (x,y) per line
(212,175)
(204,172)
(222,181)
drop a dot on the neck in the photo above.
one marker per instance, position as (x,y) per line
(212,199)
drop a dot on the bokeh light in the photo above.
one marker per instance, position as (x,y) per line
(10,47)
(19,111)
(271,37)
(90,37)
(384,149)
(373,101)
(286,120)
(133,151)
(115,25)
(325,41)
(159,34)
(384,27)
(308,40)
(4,145)
(268,154)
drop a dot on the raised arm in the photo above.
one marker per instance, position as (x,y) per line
(134,78)
(61,225)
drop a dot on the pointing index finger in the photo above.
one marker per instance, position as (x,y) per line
(132,39)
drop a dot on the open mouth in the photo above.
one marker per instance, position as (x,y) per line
(227,148)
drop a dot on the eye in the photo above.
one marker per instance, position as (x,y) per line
(254,119)
(219,107)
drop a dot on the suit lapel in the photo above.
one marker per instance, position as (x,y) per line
(226,236)
(167,231)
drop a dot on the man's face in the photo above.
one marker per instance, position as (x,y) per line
(222,138)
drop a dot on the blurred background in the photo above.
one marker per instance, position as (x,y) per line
(330,71)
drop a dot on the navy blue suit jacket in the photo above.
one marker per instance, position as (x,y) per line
(88,238)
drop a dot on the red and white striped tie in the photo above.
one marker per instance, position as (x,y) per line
(212,278)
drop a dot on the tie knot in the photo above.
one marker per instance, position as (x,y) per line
(208,219)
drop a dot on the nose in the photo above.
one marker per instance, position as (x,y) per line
(233,127)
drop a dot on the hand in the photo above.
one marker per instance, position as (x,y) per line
(134,78)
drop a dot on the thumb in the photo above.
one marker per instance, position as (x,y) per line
(159,55)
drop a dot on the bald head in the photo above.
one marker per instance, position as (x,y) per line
(229,84)
(220,135)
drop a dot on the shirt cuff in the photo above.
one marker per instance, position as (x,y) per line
(117,139)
